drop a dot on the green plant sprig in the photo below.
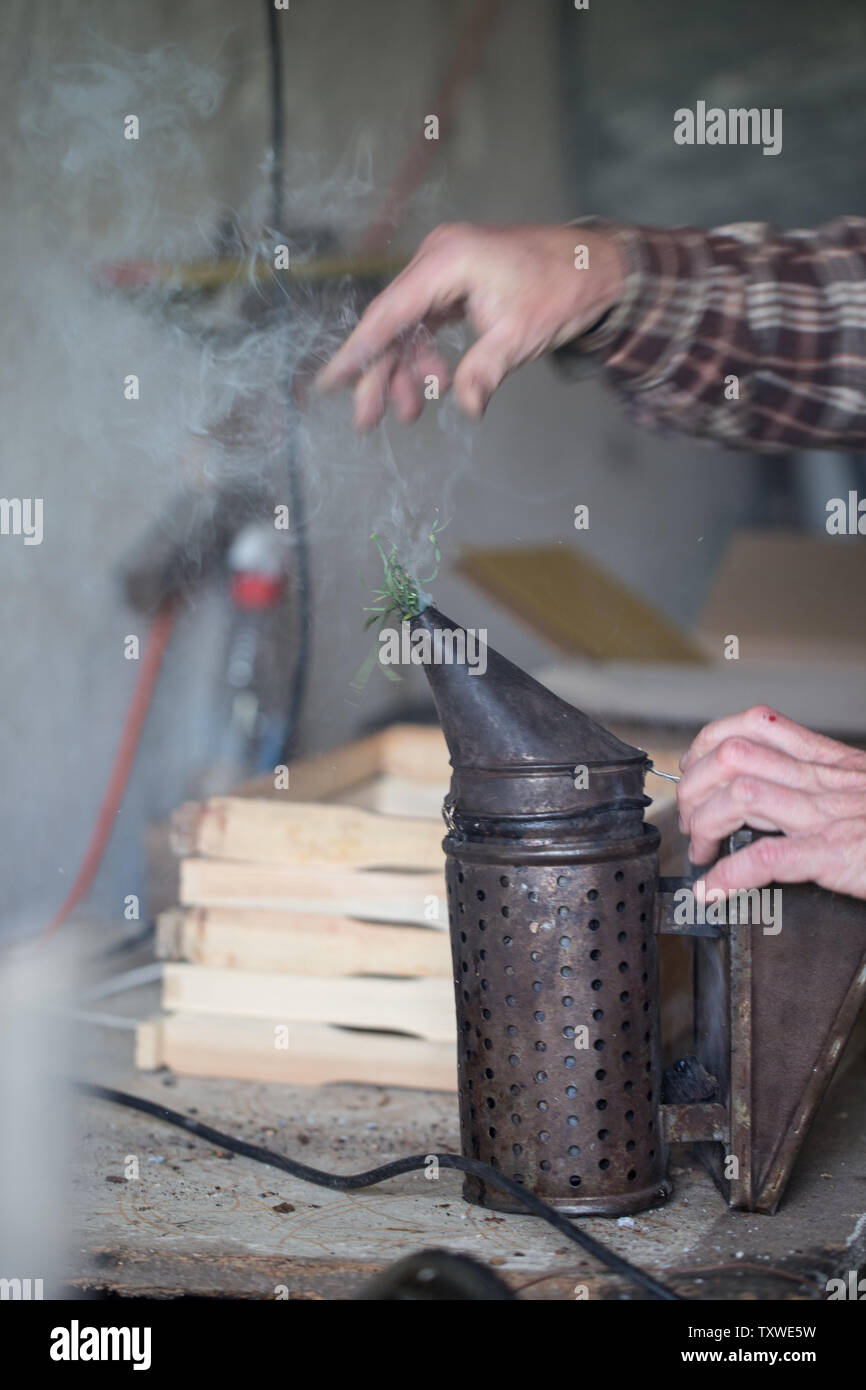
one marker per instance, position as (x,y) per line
(401,596)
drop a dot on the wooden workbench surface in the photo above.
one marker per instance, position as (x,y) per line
(199,1222)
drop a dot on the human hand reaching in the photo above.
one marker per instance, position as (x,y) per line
(521,290)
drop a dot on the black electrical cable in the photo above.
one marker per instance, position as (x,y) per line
(349,1182)
(276,66)
(302,584)
(297,509)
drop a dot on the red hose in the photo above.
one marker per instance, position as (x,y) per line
(151,662)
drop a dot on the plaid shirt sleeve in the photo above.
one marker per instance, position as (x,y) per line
(784,313)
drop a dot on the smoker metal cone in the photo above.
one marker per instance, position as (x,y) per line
(515,745)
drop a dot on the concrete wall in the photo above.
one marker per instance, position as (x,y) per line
(357,78)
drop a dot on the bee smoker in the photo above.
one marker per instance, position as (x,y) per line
(555,903)
(551,877)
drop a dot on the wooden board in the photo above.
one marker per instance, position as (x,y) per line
(423,1008)
(394,795)
(199,1045)
(401,770)
(790,597)
(569,598)
(323,776)
(305,834)
(417,752)
(247,939)
(376,897)
(832,699)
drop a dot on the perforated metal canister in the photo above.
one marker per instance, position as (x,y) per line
(551,877)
